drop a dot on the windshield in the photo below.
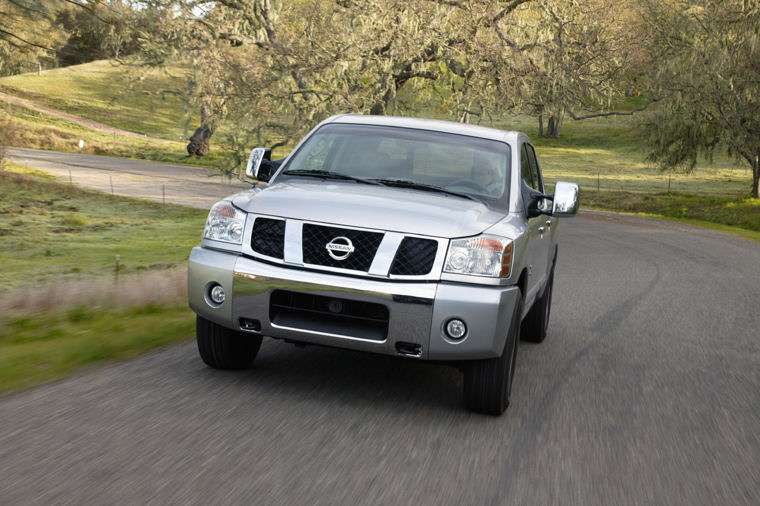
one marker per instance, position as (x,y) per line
(408,158)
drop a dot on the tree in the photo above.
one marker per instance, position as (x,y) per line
(275,68)
(28,35)
(708,75)
(576,59)
(97,30)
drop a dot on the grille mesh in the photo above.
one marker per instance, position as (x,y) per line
(268,237)
(414,257)
(316,237)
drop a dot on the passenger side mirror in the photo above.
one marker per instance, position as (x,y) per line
(260,164)
(565,201)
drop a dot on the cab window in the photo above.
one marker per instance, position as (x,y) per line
(535,172)
(526,169)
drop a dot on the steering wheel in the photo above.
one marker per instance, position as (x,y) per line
(469,183)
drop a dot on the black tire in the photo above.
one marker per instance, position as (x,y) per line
(488,383)
(223,348)
(537,320)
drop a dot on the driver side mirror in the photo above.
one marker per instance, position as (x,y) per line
(565,200)
(260,164)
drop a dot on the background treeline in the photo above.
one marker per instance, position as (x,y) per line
(274,68)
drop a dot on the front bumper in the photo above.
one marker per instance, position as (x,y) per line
(417,312)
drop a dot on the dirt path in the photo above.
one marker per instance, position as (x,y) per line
(91,124)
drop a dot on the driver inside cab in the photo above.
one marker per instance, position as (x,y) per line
(486,173)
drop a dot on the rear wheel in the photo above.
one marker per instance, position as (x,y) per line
(223,348)
(488,383)
(537,320)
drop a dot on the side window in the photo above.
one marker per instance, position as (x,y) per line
(525,167)
(535,170)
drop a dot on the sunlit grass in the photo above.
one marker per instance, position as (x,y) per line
(33,129)
(736,212)
(54,232)
(62,305)
(125,96)
(47,346)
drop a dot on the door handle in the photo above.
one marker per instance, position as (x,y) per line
(549,223)
(541,229)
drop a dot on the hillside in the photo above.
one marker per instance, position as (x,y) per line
(127,97)
(603,153)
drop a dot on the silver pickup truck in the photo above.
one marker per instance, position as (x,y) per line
(424,239)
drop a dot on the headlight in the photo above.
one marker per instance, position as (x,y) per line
(225,223)
(484,255)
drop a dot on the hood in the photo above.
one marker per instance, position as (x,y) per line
(376,207)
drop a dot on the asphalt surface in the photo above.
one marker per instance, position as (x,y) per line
(163,182)
(646,391)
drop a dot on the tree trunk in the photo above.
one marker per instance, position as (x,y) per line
(755,175)
(200,141)
(381,107)
(552,129)
(540,125)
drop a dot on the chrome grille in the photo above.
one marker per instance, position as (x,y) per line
(316,237)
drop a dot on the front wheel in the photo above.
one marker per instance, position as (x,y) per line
(537,320)
(488,383)
(223,348)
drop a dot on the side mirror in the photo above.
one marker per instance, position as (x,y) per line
(260,164)
(565,201)
(534,201)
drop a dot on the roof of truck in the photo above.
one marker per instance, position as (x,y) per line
(428,124)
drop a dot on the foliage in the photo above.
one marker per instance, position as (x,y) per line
(28,35)
(277,68)
(570,58)
(709,81)
(7,133)
(101,30)
(37,34)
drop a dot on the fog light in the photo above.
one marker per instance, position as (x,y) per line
(456,329)
(216,294)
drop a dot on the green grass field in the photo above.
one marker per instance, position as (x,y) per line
(62,307)
(33,129)
(52,232)
(120,95)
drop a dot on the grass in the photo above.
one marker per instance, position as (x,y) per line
(52,345)
(122,95)
(33,129)
(62,307)
(607,153)
(735,212)
(52,232)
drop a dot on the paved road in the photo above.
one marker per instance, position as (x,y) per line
(646,391)
(176,184)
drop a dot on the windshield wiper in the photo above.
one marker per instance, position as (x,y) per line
(405,183)
(326,174)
